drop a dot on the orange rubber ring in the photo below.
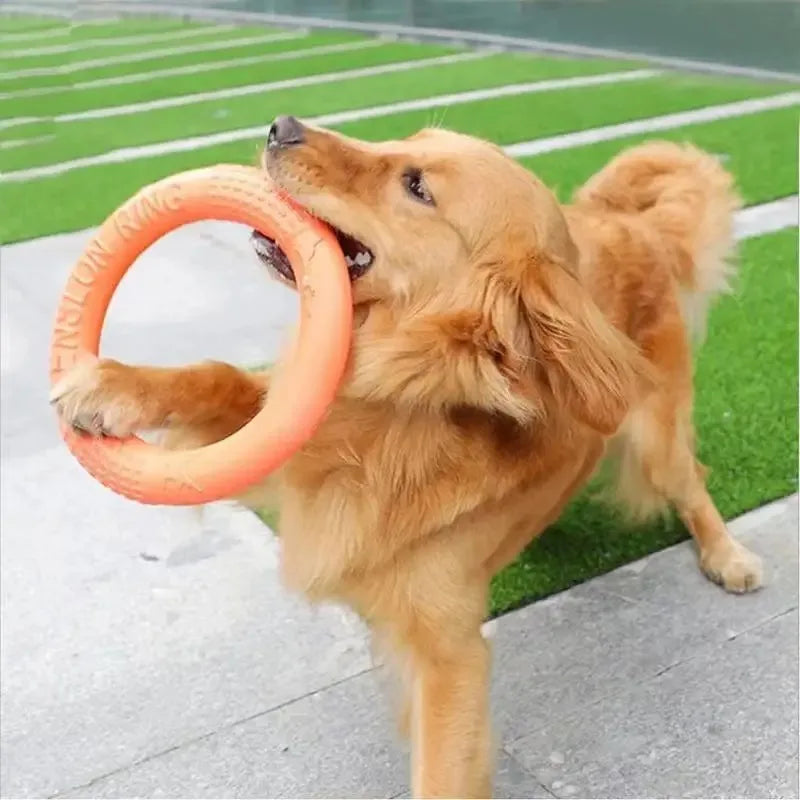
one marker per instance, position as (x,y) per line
(299,397)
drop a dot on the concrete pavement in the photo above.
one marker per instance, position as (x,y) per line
(151,652)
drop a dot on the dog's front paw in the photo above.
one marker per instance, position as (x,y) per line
(733,567)
(103,398)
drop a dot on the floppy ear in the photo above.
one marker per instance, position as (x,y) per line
(543,334)
(529,336)
(474,357)
(592,369)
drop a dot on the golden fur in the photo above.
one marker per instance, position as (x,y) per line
(503,343)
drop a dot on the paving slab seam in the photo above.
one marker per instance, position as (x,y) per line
(209,734)
(509,755)
(771,618)
(709,645)
(581,709)
(647,602)
(746,521)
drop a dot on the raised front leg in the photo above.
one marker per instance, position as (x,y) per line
(105,397)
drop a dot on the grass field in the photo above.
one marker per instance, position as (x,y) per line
(91,112)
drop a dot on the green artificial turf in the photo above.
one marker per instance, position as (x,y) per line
(11,23)
(131,26)
(138,26)
(513,119)
(76,31)
(75,77)
(746,418)
(75,74)
(747,370)
(76,99)
(88,51)
(275,63)
(760,150)
(504,120)
(78,138)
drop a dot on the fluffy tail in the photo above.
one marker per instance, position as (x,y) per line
(687,195)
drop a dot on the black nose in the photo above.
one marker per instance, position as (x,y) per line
(284,132)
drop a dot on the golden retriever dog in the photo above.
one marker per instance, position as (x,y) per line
(503,344)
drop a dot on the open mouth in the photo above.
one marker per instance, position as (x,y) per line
(357,255)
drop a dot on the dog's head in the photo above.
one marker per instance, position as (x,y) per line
(464,276)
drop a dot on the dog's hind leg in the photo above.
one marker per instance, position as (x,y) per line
(658,467)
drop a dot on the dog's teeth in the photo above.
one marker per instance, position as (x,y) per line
(363,258)
(349,261)
(261,247)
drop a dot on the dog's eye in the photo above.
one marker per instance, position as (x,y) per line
(415,185)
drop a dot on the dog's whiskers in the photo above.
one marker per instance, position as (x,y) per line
(437,123)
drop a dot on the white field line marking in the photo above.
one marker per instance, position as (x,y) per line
(333,118)
(767,217)
(61,30)
(144,38)
(564,141)
(271,86)
(474,95)
(652,124)
(10,123)
(131,58)
(7,144)
(208,66)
